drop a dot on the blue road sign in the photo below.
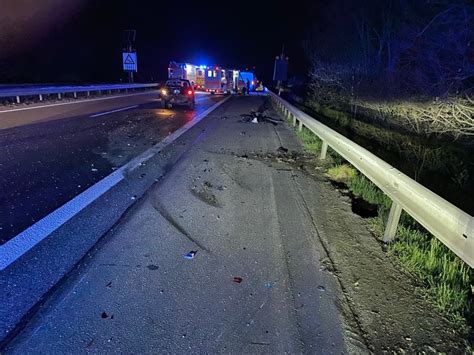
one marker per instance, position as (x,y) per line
(129,60)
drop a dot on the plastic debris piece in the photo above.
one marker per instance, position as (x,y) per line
(104,315)
(269,284)
(282,149)
(94,170)
(190,255)
(321,288)
(255,120)
(237,279)
(109,285)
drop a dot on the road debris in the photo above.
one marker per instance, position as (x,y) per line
(152,267)
(282,149)
(104,315)
(237,279)
(109,285)
(268,284)
(190,255)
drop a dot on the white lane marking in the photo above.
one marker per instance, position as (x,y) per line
(26,240)
(76,102)
(113,111)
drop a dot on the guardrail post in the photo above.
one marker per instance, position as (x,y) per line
(59,95)
(392,223)
(18,99)
(294,120)
(324,150)
(88,93)
(100,92)
(110,92)
(75,95)
(40,97)
(300,126)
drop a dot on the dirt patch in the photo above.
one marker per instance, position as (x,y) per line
(205,194)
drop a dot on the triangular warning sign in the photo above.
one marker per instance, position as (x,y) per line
(128,60)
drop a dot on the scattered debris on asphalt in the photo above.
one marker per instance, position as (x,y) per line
(152,267)
(94,170)
(109,285)
(268,284)
(237,279)
(259,117)
(104,315)
(321,288)
(282,149)
(190,255)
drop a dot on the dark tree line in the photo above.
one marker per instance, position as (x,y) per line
(393,48)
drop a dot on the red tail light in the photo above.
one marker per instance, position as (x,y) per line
(190,92)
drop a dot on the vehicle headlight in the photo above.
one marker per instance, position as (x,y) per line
(164,92)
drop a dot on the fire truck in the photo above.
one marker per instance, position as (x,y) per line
(200,78)
(185,71)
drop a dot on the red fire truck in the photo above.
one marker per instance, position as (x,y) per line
(185,71)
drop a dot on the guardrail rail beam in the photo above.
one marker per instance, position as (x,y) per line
(452,226)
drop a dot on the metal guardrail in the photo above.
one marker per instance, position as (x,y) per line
(451,225)
(17,93)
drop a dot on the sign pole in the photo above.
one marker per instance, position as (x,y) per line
(130,73)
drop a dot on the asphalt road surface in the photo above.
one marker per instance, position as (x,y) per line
(255,285)
(280,262)
(50,153)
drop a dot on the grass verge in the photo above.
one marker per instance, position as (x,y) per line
(440,275)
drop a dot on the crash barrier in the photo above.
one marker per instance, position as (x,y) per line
(41,92)
(451,225)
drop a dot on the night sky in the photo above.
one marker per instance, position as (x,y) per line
(81,40)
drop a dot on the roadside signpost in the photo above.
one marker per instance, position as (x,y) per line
(280,70)
(129,55)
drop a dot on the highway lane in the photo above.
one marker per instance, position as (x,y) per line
(51,153)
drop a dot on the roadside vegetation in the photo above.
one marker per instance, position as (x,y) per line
(396,77)
(439,274)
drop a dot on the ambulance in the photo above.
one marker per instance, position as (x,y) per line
(215,80)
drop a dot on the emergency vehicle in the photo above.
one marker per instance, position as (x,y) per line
(185,71)
(215,80)
(200,78)
(249,79)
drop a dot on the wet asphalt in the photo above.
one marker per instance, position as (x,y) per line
(57,152)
